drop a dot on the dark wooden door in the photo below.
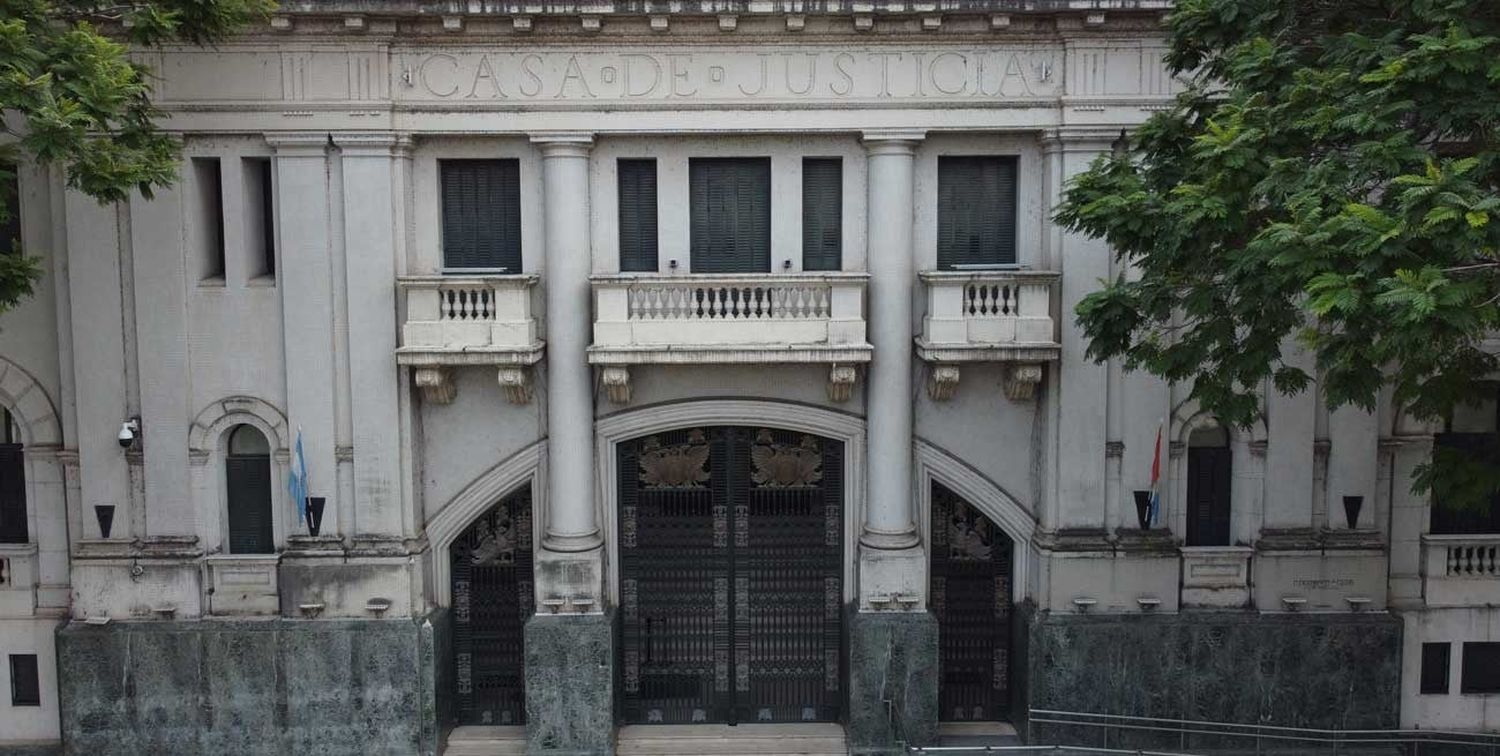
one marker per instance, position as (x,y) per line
(971,590)
(731,576)
(248,479)
(1208,495)
(492,599)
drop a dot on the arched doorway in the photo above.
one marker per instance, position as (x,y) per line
(971,599)
(247,482)
(1210,467)
(491,578)
(731,576)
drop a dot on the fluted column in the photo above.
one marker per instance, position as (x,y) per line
(890,533)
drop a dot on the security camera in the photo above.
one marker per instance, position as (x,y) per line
(127,433)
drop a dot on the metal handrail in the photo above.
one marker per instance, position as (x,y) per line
(1261,731)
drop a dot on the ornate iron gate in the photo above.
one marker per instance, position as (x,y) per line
(731,576)
(971,562)
(492,599)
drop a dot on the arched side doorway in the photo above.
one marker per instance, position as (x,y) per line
(731,576)
(492,597)
(247,483)
(1209,479)
(971,599)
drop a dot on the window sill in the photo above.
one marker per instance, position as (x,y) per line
(261,282)
(212,282)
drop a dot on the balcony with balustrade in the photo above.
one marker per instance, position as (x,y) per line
(999,316)
(653,319)
(1461,570)
(457,321)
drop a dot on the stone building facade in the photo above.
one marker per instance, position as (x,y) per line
(669,362)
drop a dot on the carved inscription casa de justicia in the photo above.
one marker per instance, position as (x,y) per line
(718,75)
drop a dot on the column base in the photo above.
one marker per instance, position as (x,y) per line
(570,582)
(893,679)
(570,684)
(892,579)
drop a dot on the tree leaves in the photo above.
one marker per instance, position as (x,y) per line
(1327,179)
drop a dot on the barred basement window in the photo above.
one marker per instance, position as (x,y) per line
(208,180)
(481,215)
(13,528)
(976,212)
(730,202)
(637,190)
(25,684)
(247,476)
(260,218)
(1481,671)
(822,213)
(1435,659)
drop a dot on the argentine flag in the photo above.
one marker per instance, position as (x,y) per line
(1155,511)
(296,483)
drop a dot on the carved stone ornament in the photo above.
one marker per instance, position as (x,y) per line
(517,384)
(970,536)
(942,382)
(497,542)
(783,465)
(436,385)
(1021,380)
(677,466)
(616,382)
(841,383)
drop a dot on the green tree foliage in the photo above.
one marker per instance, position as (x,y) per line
(72,97)
(1327,181)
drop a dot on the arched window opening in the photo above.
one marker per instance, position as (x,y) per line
(1209,468)
(12,483)
(247,478)
(1470,437)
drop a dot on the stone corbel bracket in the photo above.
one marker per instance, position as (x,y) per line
(616,380)
(437,386)
(841,380)
(1019,380)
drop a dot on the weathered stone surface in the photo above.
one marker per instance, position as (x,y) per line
(1333,671)
(570,684)
(893,656)
(247,687)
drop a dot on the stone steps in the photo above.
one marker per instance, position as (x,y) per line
(486,741)
(977,734)
(724,740)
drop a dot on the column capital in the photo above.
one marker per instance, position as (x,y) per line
(1081,138)
(563,143)
(298,143)
(892,141)
(372,143)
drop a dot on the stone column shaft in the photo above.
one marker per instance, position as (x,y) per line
(888,509)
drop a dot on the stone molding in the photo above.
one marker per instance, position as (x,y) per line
(933,464)
(29,404)
(521,468)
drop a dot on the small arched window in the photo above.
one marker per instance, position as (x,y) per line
(247,476)
(1209,466)
(12,483)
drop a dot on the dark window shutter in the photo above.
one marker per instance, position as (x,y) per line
(637,215)
(25,682)
(267,216)
(1481,670)
(482,214)
(1208,496)
(1435,659)
(822,213)
(976,211)
(10,229)
(248,478)
(12,494)
(731,214)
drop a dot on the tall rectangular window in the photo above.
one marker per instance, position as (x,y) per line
(260,217)
(10,229)
(482,215)
(730,201)
(1473,432)
(13,527)
(1435,659)
(637,189)
(976,212)
(208,182)
(1481,670)
(25,684)
(822,213)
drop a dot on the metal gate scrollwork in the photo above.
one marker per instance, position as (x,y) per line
(731,576)
(971,599)
(492,599)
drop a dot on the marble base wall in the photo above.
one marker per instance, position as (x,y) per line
(570,684)
(893,657)
(1330,671)
(250,687)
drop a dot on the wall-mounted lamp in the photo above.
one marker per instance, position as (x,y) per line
(672,264)
(1293,603)
(1084,603)
(786,264)
(1148,603)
